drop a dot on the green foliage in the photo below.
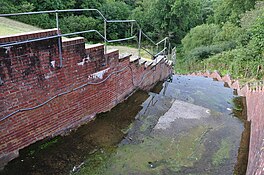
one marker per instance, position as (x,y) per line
(230,61)
(74,23)
(116,10)
(257,42)
(232,33)
(26,7)
(169,17)
(52,4)
(90,3)
(204,52)
(239,62)
(230,10)
(236,50)
(44,21)
(7,7)
(248,18)
(199,36)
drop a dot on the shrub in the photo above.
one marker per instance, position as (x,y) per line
(81,23)
(232,33)
(200,36)
(204,52)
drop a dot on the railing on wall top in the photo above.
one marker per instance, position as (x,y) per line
(164,41)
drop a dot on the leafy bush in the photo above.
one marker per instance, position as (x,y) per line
(248,18)
(74,23)
(7,7)
(257,40)
(204,52)
(238,62)
(232,33)
(199,36)
(230,10)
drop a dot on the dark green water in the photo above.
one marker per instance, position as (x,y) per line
(128,139)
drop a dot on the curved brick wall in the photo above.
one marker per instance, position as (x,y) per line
(89,82)
(254,94)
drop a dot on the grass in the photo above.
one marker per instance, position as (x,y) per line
(11,27)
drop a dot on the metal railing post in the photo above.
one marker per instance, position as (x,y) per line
(165,44)
(59,38)
(105,33)
(132,25)
(169,50)
(139,43)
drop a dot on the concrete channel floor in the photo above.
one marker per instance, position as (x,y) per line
(173,135)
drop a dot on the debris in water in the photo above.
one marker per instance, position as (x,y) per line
(151,165)
(77,168)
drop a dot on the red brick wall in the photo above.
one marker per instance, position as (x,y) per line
(29,80)
(255,113)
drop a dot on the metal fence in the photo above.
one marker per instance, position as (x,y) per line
(164,42)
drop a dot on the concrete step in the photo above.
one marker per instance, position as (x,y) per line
(90,46)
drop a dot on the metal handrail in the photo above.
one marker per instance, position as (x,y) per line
(53,11)
(59,35)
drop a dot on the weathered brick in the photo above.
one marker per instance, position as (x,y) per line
(29,82)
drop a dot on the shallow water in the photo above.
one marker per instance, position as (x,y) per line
(192,125)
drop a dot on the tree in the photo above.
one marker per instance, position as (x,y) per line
(202,35)
(7,6)
(116,10)
(230,10)
(169,17)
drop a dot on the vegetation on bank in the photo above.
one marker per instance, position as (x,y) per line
(234,47)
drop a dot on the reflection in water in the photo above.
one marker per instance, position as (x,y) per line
(202,126)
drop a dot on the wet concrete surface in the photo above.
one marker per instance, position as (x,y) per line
(192,125)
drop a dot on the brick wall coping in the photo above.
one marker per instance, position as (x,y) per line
(93,45)
(28,35)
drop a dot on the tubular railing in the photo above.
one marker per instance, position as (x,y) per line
(165,41)
(173,55)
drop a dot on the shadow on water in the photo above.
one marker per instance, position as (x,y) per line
(240,111)
(60,154)
(133,139)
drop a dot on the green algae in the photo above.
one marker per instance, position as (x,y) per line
(126,130)
(96,164)
(157,154)
(148,123)
(223,153)
(190,146)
